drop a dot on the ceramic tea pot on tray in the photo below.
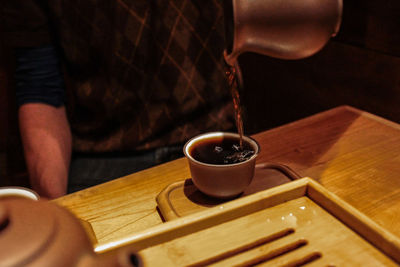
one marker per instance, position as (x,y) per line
(285,29)
(42,234)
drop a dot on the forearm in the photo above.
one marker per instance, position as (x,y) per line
(44,127)
(46,140)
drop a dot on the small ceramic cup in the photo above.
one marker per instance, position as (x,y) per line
(17,191)
(221,180)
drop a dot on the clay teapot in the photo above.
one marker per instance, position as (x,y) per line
(285,29)
(41,233)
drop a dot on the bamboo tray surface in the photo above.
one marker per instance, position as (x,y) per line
(292,224)
(183,198)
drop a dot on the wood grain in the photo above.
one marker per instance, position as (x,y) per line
(183,198)
(294,223)
(353,154)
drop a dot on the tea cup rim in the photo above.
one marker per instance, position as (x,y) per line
(18,191)
(192,140)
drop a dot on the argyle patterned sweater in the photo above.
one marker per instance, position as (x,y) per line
(140,74)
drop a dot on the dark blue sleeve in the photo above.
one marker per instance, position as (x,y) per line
(38,76)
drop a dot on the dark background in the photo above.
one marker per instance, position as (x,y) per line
(359,67)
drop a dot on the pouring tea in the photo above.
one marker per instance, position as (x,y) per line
(285,29)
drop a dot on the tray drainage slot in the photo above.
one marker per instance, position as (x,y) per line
(249,246)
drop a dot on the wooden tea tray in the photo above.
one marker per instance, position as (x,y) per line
(296,223)
(183,198)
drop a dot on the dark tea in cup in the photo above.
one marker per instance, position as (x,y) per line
(219,165)
(221,150)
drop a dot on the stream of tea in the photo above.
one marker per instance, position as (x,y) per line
(227,150)
(234,81)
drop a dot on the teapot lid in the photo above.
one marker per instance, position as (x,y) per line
(38,232)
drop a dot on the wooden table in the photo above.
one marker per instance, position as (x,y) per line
(352,153)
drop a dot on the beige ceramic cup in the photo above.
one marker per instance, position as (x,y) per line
(17,191)
(221,180)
